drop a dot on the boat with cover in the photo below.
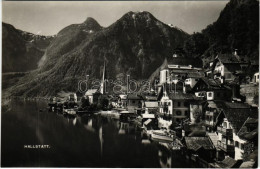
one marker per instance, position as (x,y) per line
(161,135)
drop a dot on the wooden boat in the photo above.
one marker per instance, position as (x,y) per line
(70,111)
(175,145)
(126,115)
(161,135)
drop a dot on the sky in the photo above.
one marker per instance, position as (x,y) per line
(49,17)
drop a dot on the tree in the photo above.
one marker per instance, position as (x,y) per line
(197,114)
(84,102)
(256,99)
(103,102)
(195,45)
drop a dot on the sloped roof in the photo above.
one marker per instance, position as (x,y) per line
(182,96)
(233,67)
(231,105)
(212,104)
(252,156)
(227,105)
(248,164)
(150,98)
(228,58)
(151,104)
(147,122)
(236,113)
(90,92)
(134,97)
(237,116)
(213,84)
(252,69)
(249,130)
(195,143)
(123,96)
(185,61)
(189,73)
(214,138)
(148,116)
(228,162)
(171,89)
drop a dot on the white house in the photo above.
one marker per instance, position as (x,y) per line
(246,139)
(165,103)
(226,66)
(92,95)
(234,115)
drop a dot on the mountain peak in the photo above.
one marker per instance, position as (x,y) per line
(138,14)
(91,23)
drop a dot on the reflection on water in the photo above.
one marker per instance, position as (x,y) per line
(86,141)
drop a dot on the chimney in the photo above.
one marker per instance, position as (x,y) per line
(235,91)
(235,53)
(184,88)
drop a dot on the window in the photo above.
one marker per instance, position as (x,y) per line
(242,146)
(186,113)
(186,104)
(236,144)
(210,118)
(133,101)
(179,104)
(178,113)
(169,103)
(210,94)
(224,125)
(228,75)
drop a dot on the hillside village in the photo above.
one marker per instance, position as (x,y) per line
(213,118)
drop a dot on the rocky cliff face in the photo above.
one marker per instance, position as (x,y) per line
(22,50)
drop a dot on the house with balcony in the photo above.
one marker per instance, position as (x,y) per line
(212,89)
(134,102)
(150,107)
(226,67)
(165,103)
(228,162)
(174,102)
(200,150)
(92,95)
(212,114)
(246,140)
(122,101)
(181,105)
(232,117)
(180,66)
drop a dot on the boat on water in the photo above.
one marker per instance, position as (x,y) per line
(175,145)
(126,116)
(162,135)
(70,111)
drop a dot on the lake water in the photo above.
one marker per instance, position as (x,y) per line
(86,141)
